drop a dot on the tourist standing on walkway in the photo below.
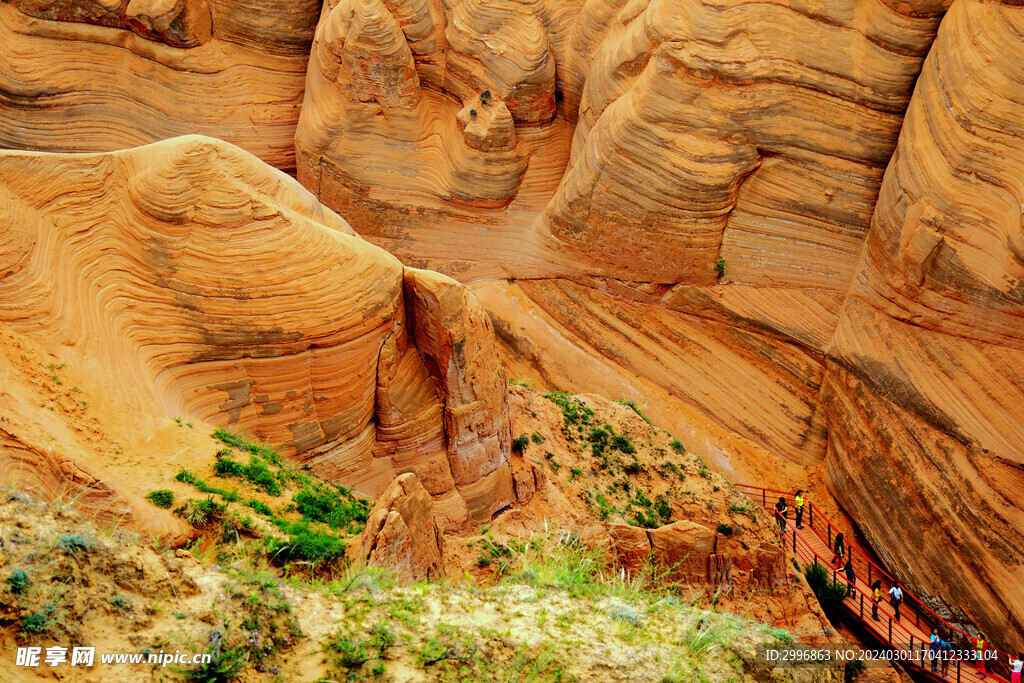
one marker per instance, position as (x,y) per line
(1016,665)
(839,547)
(933,649)
(895,599)
(781,512)
(876,595)
(979,652)
(798,505)
(946,652)
(850,578)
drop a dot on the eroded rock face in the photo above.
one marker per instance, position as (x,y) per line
(690,552)
(194,280)
(401,533)
(925,391)
(90,76)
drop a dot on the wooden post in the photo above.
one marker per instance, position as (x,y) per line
(862,607)
(764,498)
(869,575)
(810,515)
(794,540)
(830,535)
(890,630)
(958,670)
(917,618)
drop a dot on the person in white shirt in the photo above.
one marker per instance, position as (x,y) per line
(1016,665)
(895,598)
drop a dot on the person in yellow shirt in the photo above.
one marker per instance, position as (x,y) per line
(798,504)
(876,596)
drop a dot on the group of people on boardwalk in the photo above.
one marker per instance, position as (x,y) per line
(940,649)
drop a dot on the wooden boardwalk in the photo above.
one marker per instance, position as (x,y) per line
(907,636)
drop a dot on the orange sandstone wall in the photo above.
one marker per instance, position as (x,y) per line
(84,76)
(925,389)
(194,280)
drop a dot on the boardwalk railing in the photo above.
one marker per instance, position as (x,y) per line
(811,545)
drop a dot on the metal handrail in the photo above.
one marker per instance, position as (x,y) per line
(815,511)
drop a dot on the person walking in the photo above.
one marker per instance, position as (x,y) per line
(896,599)
(876,596)
(1016,666)
(781,512)
(851,580)
(798,505)
(839,547)
(946,653)
(979,653)
(933,650)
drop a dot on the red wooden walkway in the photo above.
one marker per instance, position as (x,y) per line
(813,545)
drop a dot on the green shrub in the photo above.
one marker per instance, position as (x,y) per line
(536,438)
(349,653)
(622,443)
(258,475)
(73,543)
(633,467)
(260,507)
(40,621)
(226,467)
(265,451)
(720,267)
(162,498)
(725,529)
(664,508)
(338,509)
(119,602)
(520,443)
(200,513)
(306,545)
(485,97)
(677,446)
(647,518)
(830,593)
(17,582)
(574,413)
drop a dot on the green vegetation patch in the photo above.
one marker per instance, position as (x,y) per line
(162,498)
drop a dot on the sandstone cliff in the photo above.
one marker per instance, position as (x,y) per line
(98,76)
(780,226)
(189,279)
(925,386)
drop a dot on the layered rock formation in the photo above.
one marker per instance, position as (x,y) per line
(401,533)
(85,76)
(726,165)
(925,391)
(193,280)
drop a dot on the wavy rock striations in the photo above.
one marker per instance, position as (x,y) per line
(925,397)
(445,87)
(728,210)
(194,280)
(90,76)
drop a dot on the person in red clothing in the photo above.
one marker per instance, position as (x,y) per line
(979,653)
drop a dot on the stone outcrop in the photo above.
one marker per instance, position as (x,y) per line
(98,76)
(690,552)
(925,387)
(401,533)
(193,280)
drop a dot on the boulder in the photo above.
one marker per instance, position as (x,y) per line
(401,533)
